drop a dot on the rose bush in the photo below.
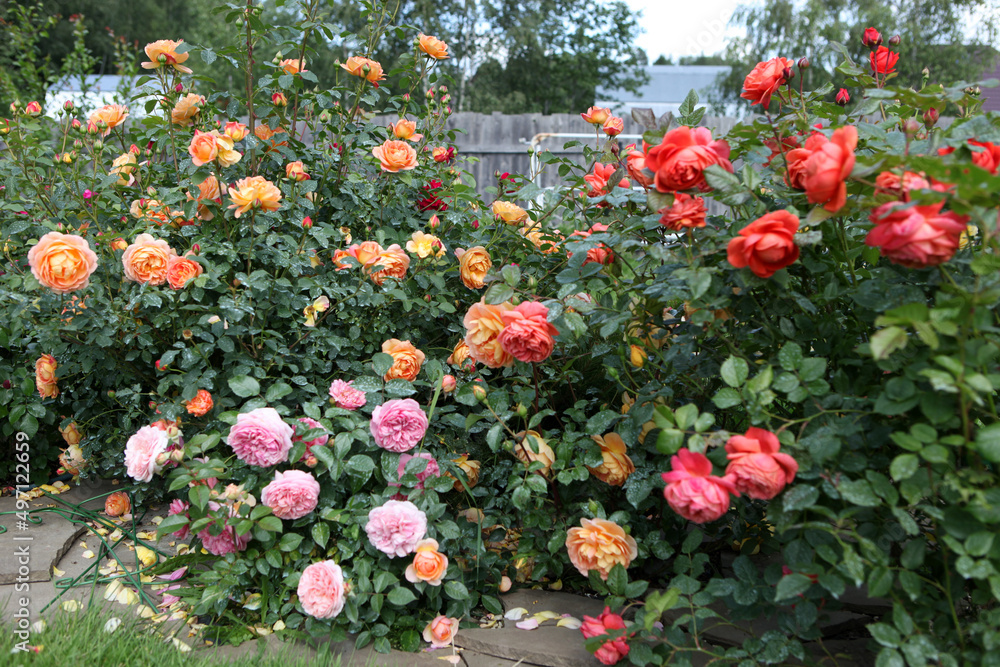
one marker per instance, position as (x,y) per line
(375,398)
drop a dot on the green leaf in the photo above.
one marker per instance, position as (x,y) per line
(859,492)
(199,495)
(885,634)
(734,371)
(887,341)
(791,585)
(456,590)
(172,524)
(244,386)
(988,442)
(290,542)
(498,293)
(790,356)
(617,580)
(727,398)
(401,596)
(277,391)
(601,422)
(321,534)
(800,497)
(904,466)
(685,416)
(271,524)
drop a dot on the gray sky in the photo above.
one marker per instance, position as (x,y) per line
(683,27)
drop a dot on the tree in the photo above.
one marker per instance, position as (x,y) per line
(931,34)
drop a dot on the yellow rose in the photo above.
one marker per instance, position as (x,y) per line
(425,245)
(473,265)
(617,466)
(525,450)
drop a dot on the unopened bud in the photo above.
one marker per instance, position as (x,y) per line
(448,384)
(177,455)
(68,105)
(196,248)
(307,222)
(522,410)
(427,298)
(803,62)
(311,461)
(6,384)
(894,40)
(434,222)
(187,334)
(162,458)
(505,583)
(843,97)
(931,117)
(788,74)
(479,391)
(178,87)
(111,393)
(98,144)
(911,126)
(324,116)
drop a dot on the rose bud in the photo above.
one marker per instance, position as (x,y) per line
(505,583)
(843,97)
(311,461)
(307,222)
(427,298)
(324,116)
(894,40)
(196,248)
(479,390)
(160,367)
(788,74)
(448,384)
(434,222)
(6,384)
(162,458)
(475,224)
(803,62)
(117,504)
(76,124)
(179,87)
(33,109)
(911,126)
(134,150)
(177,455)
(279,100)
(871,37)
(931,117)
(68,105)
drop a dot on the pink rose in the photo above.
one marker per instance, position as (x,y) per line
(227,541)
(692,491)
(292,495)
(614,649)
(441,631)
(527,334)
(756,467)
(398,425)
(178,506)
(916,236)
(321,589)
(307,424)
(261,438)
(141,451)
(396,527)
(345,396)
(431,468)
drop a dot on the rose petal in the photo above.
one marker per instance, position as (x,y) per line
(175,575)
(515,614)
(570,622)
(528,624)
(112,624)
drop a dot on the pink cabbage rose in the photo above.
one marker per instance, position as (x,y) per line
(141,451)
(261,438)
(226,542)
(527,335)
(431,468)
(292,495)
(916,236)
(441,631)
(396,527)
(692,491)
(345,396)
(178,506)
(614,649)
(755,465)
(321,589)
(306,424)
(398,425)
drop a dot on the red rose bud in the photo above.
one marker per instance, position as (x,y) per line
(911,126)
(894,40)
(179,87)
(68,105)
(475,224)
(788,74)
(196,248)
(160,367)
(6,384)
(134,150)
(803,62)
(931,117)
(871,37)
(307,222)
(434,222)
(843,97)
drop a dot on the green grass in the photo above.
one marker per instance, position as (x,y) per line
(80,639)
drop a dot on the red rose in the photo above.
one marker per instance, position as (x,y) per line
(766,244)
(883,61)
(797,158)
(916,236)
(828,167)
(843,97)
(988,158)
(871,37)
(764,80)
(679,162)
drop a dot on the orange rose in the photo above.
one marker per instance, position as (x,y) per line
(510,213)
(112,115)
(200,404)
(525,450)
(596,115)
(428,564)
(62,262)
(483,324)
(390,263)
(406,359)
(599,545)
(367,252)
(679,162)
(296,172)
(164,52)
(186,109)
(123,166)
(797,158)
(45,376)
(405,129)
(71,434)
(208,146)
(254,192)
(433,47)
(117,504)
(617,466)
(635,164)
(547,241)
(235,131)
(471,470)
(208,190)
(766,244)
(460,357)
(180,270)
(147,260)
(396,156)
(764,80)
(827,169)
(292,66)
(473,265)
(366,68)
(266,135)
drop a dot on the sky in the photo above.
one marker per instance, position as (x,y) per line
(683,27)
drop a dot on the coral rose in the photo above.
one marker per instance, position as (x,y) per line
(432,46)
(321,590)
(765,79)
(180,270)
(267,136)
(596,115)
(392,262)
(635,164)
(236,131)
(527,334)
(614,649)
(686,212)
(147,260)
(186,109)
(164,52)
(755,465)
(406,359)
(254,192)
(62,262)
(766,244)
(597,179)
(293,65)
(200,405)
(141,452)
(111,115)
(483,325)
(441,631)
(396,527)
(883,61)
(473,265)
(916,236)
(896,186)
(428,564)
(679,162)
(291,495)
(366,68)
(203,148)
(613,126)
(405,129)
(45,376)
(617,465)
(510,213)
(988,158)
(396,156)
(828,167)
(693,491)
(260,437)
(398,425)
(598,544)
(531,447)
(117,504)
(295,171)
(344,395)
(798,156)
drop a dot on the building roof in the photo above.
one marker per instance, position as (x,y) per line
(667,87)
(98,83)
